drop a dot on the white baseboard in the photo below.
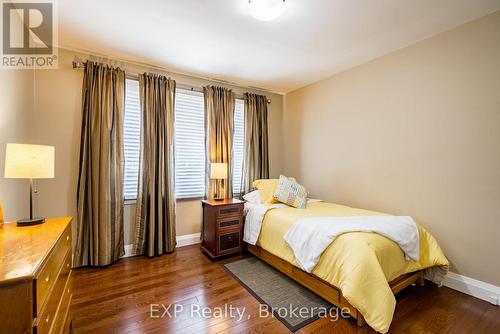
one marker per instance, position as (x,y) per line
(473,287)
(129,250)
(188,239)
(182,240)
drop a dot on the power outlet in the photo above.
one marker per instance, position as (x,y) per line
(494,300)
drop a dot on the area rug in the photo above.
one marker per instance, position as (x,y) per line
(283,297)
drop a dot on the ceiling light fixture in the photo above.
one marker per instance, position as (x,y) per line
(266,10)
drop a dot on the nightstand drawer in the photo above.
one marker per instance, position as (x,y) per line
(231,222)
(229,242)
(229,210)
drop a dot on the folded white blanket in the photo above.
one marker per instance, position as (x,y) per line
(309,237)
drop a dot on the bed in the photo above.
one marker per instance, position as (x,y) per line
(358,271)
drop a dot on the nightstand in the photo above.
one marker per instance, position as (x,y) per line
(222,227)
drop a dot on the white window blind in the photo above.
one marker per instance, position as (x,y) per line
(189,144)
(131,139)
(238,149)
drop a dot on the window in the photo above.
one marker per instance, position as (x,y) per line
(238,149)
(189,139)
(131,139)
(189,144)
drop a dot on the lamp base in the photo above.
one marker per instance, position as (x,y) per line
(30,222)
(218,199)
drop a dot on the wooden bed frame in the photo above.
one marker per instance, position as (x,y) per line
(325,289)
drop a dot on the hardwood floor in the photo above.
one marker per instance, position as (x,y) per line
(118,299)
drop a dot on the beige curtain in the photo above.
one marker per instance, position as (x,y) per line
(99,232)
(155,208)
(256,158)
(219,125)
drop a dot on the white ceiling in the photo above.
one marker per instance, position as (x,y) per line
(312,40)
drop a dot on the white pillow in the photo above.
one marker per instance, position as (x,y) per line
(253,197)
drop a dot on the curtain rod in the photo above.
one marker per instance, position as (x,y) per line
(77,64)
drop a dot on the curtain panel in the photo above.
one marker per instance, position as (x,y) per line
(155,206)
(219,127)
(256,156)
(99,240)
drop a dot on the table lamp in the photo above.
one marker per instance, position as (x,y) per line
(23,161)
(218,171)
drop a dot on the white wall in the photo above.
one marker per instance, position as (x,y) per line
(16,126)
(415,132)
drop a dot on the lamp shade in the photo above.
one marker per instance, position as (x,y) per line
(218,170)
(23,161)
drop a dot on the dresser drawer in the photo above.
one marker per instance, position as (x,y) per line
(49,311)
(47,276)
(229,211)
(229,222)
(61,319)
(27,255)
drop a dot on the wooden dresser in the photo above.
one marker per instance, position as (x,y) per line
(222,227)
(35,277)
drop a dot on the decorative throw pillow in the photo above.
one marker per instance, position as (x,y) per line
(291,193)
(253,197)
(266,188)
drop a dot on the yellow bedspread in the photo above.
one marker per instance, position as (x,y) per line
(359,264)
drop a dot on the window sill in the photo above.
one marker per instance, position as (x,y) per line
(183,199)
(189,199)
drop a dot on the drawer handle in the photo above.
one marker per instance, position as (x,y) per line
(47,319)
(67,265)
(67,237)
(47,279)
